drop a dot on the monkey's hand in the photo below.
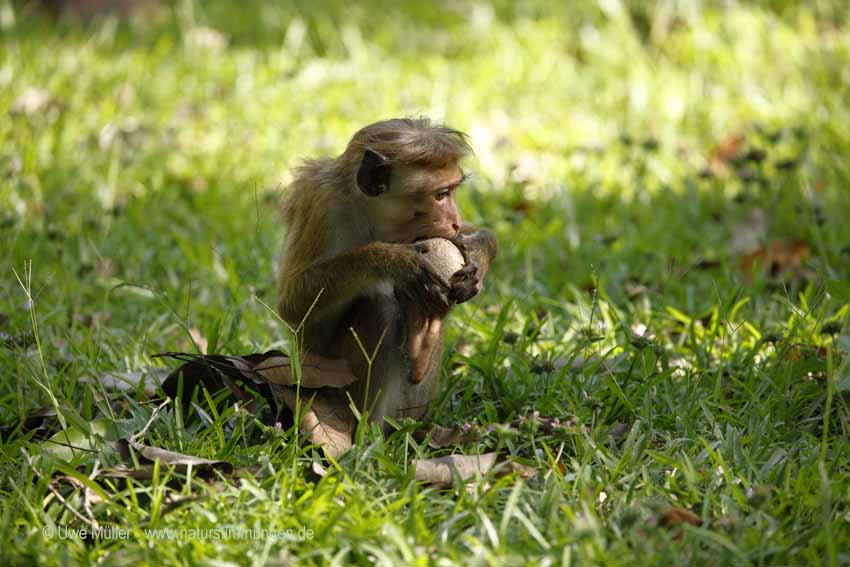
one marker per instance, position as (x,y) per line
(467,282)
(420,286)
(478,247)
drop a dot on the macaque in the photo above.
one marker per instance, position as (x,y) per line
(355,226)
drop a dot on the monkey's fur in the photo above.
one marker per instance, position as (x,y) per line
(353,226)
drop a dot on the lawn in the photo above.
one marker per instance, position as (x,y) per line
(670,185)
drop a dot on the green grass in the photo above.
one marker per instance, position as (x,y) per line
(144,190)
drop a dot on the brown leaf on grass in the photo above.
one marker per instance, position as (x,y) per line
(148,454)
(441,471)
(728,149)
(439,437)
(272,367)
(318,469)
(635,288)
(316,372)
(148,381)
(776,258)
(212,372)
(326,419)
(142,472)
(619,431)
(672,517)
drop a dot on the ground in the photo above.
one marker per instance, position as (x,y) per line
(669,184)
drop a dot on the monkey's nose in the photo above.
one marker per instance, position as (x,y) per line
(455,227)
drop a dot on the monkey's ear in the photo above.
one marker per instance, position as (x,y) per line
(373,177)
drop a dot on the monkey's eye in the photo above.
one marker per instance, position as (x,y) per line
(442,194)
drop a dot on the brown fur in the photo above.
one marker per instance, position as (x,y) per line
(356,254)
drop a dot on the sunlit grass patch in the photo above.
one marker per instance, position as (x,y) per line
(669,186)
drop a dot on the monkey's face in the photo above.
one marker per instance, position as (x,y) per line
(420,203)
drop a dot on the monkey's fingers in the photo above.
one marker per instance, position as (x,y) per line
(423,247)
(461,243)
(469,272)
(434,290)
(436,302)
(425,299)
(466,283)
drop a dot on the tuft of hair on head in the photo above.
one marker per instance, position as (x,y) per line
(411,141)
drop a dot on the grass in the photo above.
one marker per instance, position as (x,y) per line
(140,171)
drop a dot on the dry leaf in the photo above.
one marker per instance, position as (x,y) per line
(439,437)
(777,257)
(149,381)
(142,472)
(672,517)
(318,469)
(326,419)
(619,431)
(272,367)
(203,467)
(440,471)
(316,372)
(728,149)
(212,372)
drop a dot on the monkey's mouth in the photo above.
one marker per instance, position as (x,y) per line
(448,235)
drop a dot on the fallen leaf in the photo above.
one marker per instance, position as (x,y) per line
(441,471)
(326,420)
(634,289)
(619,431)
(728,149)
(672,517)
(72,442)
(213,372)
(149,380)
(142,472)
(776,258)
(203,467)
(318,469)
(316,372)
(439,437)
(326,417)
(272,367)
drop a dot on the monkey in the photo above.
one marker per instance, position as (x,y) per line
(352,264)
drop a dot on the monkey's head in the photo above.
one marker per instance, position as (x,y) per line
(406,172)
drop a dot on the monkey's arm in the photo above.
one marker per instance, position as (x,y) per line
(342,278)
